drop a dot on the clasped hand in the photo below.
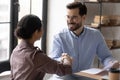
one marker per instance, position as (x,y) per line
(115,64)
(66,59)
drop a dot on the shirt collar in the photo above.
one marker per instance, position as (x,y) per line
(84,30)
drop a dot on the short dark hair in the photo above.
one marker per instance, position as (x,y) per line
(82,7)
(27,26)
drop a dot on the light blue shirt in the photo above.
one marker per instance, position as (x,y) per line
(82,48)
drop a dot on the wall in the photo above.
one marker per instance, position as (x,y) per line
(56,19)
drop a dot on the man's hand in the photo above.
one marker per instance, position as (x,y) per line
(112,64)
(116,64)
(66,59)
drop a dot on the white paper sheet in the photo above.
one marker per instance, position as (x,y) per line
(93,71)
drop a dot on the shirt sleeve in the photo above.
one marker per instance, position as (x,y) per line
(56,50)
(103,51)
(48,65)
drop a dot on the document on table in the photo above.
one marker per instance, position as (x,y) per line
(96,70)
(92,71)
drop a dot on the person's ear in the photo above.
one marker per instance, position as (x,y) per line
(36,33)
(84,17)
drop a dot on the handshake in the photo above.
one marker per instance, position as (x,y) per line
(66,59)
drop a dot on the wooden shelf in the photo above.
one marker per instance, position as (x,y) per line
(100,26)
(113,44)
(110,25)
(115,47)
(116,44)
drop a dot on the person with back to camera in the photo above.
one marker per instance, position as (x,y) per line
(81,42)
(29,62)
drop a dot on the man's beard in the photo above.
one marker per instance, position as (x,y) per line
(74,26)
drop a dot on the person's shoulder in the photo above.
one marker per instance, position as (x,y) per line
(93,32)
(90,29)
(63,31)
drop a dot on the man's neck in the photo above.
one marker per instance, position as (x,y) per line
(79,31)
